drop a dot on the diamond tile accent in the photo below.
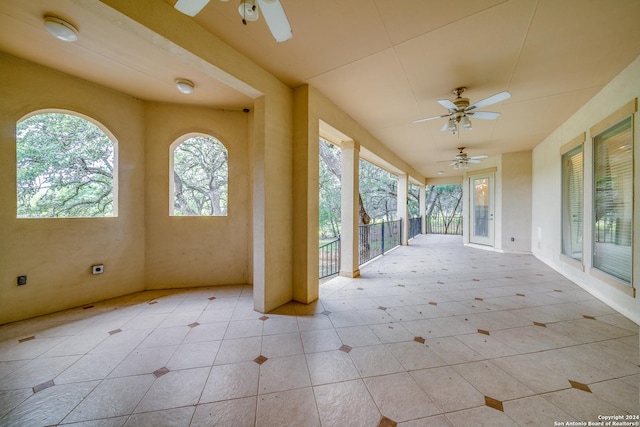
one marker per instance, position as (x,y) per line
(476,280)
(160,372)
(479,299)
(346,348)
(508,277)
(440,283)
(88,307)
(557,290)
(540,324)
(153,302)
(386,422)
(361,289)
(32,337)
(493,403)
(193,325)
(263,318)
(520,295)
(588,317)
(260,359)
(419,339)
(433,303)
(43,386)
(482,331)
(115,331)
(401,286)
(580,386)
(326,312)
(382,308)
(539,274)
(211,298)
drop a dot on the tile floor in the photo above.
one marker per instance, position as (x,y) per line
(432,334)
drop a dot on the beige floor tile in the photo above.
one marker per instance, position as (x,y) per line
(143,361)
(320,340)
(487,346)
(571,368)
(344,318)
(399,397)
(346,403)
(619,393)
(375,360)
(167,417)
(358,336)
(535,411)
(112,398)
(238,350)
(492,381)
(530,372)
(165,337)
(284,373)
(480,417)
(49,406)
(425,329)
(288,408)
(227,413)
(314,322)
(581,405)
(92,367)
(452,351)
(281,345)
(390,333)
(36,372)
(330,367)
(448,389)
(206,332)
(276,324)
(435,421)
(244,329)
(413,355)
(194,355)
(231,381)
(174,389)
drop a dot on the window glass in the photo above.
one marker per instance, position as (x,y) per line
(572,203)
(613,200)
(65,168)
(200,177)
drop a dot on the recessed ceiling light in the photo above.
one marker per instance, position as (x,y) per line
(60,28)
(185,86)
(440,172)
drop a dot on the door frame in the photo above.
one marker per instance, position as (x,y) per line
(488,240)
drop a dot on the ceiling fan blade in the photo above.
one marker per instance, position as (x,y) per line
(473,161)
(485,115)
(455,162)
(447,104)
(498,97)
(190,7)
(482,156)
(431,118)
(276,19)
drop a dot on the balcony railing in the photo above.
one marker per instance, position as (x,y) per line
(438,224)
(375,239)
(415,226)
(330,258)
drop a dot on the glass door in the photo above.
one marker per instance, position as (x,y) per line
(481,211)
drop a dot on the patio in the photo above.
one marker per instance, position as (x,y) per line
(433,333)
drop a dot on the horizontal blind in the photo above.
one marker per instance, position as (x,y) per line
(572,203)
(613,200)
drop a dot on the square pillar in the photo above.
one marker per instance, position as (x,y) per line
(423,209)
(403,207)
(349,222)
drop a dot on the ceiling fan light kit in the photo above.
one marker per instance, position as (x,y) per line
(185,86)
(460,111)
(60,28)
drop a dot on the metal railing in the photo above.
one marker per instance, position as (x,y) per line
(330,258)
(375,239)
(438,224)
(415,226)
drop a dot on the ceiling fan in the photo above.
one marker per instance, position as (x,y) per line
(272,10)
(462,160)
(460,111)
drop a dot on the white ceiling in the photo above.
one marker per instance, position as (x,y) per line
(384,62)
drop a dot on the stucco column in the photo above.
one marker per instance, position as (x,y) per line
(403,208)
(349,224)
(423,209)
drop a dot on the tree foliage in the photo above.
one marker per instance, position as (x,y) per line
(64,168)
(200,177)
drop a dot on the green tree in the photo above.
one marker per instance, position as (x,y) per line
(200,177)
(64,168)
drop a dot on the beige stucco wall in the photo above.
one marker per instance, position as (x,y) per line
(546,191)
(57,254)
(516,201)
(195,251)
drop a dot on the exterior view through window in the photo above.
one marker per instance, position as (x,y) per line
(199,182)
(613,200)
(65,167)
(572,191)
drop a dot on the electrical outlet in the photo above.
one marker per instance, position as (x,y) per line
(97,269)
(22,280)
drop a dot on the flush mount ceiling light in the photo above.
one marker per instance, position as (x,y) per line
(60,28)
(185,86)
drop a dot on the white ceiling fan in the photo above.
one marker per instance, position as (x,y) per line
(272,10)
(462,160)
(460,111)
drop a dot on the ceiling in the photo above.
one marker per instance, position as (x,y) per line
(383,62)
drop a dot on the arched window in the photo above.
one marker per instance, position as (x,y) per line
(65,167)
(199,177)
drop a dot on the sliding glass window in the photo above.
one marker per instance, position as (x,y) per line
(572,203)
(613,200)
